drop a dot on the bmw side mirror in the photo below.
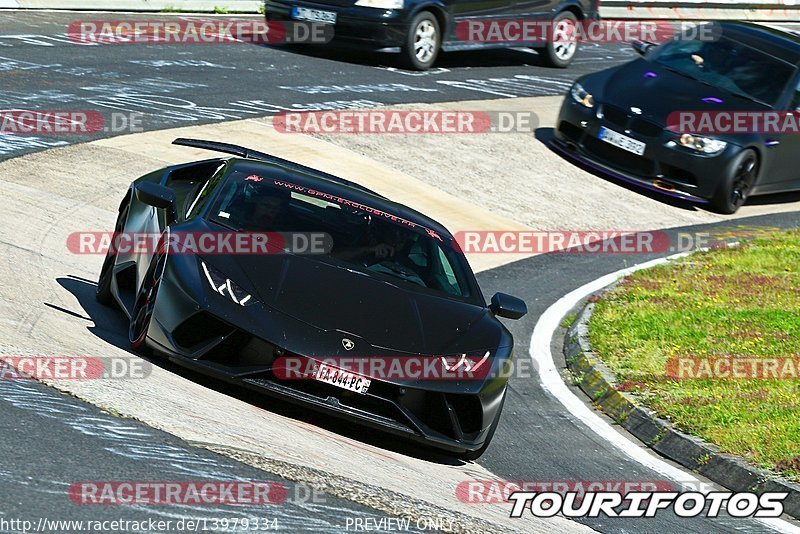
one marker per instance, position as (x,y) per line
(158,196)
(507,306)
(642,47)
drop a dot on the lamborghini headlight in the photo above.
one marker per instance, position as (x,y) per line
(225,287)
(475,365)
(382,4)
(706,145)
(582,96)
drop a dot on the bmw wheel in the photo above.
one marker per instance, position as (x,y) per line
(741,177)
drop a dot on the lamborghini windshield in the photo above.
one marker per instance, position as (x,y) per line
(364,239)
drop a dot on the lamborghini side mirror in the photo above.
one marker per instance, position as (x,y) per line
(158,196)
(507,306)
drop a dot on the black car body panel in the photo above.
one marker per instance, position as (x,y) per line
(386,29)
(638,97)
(304,307)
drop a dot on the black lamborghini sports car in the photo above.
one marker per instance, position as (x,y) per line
(393,287)
(628,121)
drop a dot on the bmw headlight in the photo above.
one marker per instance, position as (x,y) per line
(582,96)
(382,4)
(706,145)
(225,287)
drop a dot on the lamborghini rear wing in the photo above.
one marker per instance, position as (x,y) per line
(248,153)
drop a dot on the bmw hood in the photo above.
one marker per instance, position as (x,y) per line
(656,92)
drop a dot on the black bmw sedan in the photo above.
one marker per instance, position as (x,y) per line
(419,29)
(706,120)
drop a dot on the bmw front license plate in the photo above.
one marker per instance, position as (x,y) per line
(314,15)
(341,378)
(621,141)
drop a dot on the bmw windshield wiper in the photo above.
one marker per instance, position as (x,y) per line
(685,75)
(676,71)
(734,93)
(747,97)
(689,76)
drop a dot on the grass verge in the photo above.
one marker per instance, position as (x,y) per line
(720,305)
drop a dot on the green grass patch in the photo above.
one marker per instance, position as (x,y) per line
(738,302)
(567,321)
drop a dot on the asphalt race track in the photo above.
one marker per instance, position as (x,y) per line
(52,440)
(195,84)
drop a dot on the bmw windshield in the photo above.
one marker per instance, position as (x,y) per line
(728,65)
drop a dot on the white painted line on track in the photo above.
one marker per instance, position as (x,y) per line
(552,381)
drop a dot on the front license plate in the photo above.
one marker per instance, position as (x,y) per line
(314,15)
(621,141)
(341,378)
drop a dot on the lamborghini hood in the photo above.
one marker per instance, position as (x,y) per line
(374,313)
